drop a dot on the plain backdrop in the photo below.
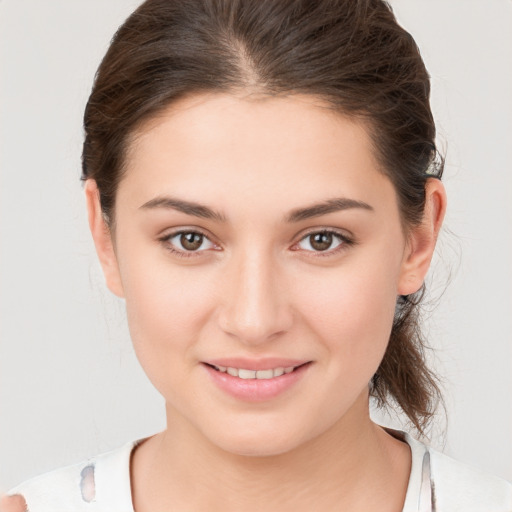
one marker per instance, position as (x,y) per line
(70,386)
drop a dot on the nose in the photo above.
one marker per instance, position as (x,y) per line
(254,306)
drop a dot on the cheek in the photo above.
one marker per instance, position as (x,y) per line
(165,306)
(352,313)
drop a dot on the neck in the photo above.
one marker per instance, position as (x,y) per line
(355,465)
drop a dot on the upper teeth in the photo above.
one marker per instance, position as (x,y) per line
(254,374)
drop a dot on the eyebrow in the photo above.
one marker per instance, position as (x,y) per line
(328,206)
(296,215)
(188,207)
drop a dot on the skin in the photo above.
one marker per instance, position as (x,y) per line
(259,287)
(14,503)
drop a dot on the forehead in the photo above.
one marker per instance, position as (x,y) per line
(216,119)
(264,149)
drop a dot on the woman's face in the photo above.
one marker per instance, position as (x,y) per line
(222,261)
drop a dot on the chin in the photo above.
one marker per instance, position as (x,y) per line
(257,440)
(260,447)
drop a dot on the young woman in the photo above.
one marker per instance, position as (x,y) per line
(263,190)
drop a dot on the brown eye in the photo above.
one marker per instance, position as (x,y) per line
(187,243)
(191,241)
(321,241)
(324,241)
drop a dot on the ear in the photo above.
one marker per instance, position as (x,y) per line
(422,239)
(102,237)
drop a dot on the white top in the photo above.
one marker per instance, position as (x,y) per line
(102,484)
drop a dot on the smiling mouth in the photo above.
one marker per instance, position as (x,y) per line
(243,373)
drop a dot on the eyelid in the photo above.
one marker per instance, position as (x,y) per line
(342,233)
(346,241)
(165,239)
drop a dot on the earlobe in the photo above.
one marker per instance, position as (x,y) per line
(422,239)
(102,237)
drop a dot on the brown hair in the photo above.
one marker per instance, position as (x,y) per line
(350,53)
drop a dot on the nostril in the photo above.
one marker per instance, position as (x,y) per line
(87,484)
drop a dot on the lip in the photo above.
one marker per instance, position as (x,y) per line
(256,390)
(265,363)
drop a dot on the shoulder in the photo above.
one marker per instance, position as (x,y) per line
(438,482)
(57,491)
(95,484)
(458,486)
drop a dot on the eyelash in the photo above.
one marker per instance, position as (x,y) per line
(182,254)
(345,242)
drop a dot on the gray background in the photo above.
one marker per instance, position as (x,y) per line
(70,386)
